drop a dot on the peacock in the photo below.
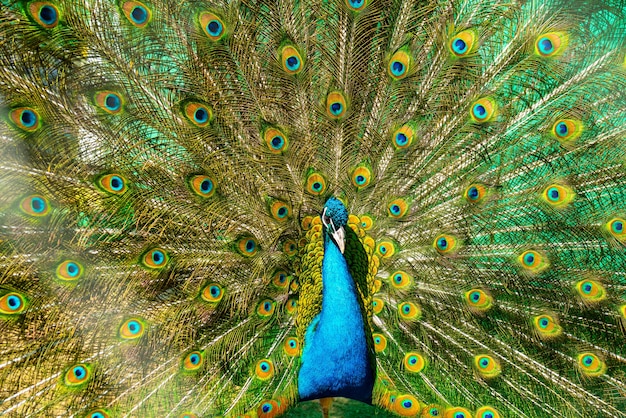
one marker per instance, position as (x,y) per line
(244,208)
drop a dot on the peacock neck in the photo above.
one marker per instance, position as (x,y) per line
(335,359)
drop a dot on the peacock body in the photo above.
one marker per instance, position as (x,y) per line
(225,208)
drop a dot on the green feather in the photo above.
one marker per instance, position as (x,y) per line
(164,166)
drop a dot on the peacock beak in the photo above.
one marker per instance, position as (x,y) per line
(339,236)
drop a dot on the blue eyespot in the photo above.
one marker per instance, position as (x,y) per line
(475,296)
(587,360)
(317,186)
(79,372)
(545,45)
(158,257)
(442,243)
(553,194)
(459,46)
(250,244)
(139,14)
(201,115)
(479,111)
(206,186)
(278,142)
(395,209)
(266,407)
(473,193)
(48,15)
(194,359)
(134,327)
(97,415)
(529,258)
(28,118)
(38,205)
(397,68)
(484,363)
(214,28)
(401,139)
(543,323)
(72,269)
(14,302)
(112,102)
(336,108)
(292,63)
(561,129)
(617,226)
(116,183)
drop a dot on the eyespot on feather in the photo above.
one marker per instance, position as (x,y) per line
(290,248)
(291,346)
(357,5)
(202,185)
(69,270)
(403,137)
(193,361)
(212,26)
(400,64)
(315,184)
(12,303)
(445,244)
(77,375)
(98,413)
(336,105)
(280,211)
(483,110)
(275,140)
(591,291)
(46,14)
(280,279)
(617,228)
(291,305)
(478,299)
(155,258)
(590,364)
(406,405)
(546,326)
(409,311)
(397,208)
(291,60)
(132,328)
(366,222)
(400,280)
(386,249)
(212,293)
(377,305)
(266,308)
(457,412)
(414,362)
(486,366)
(551,44)
(533,261)
(475,193)
(463,43)
(35,205)
(567,130)
(112,183)
(25,118)
(380,342)
(487,412)
(361,176)
(199,114)
(247,246)
(109,101)
(558,195)
(137,13)
(264,369)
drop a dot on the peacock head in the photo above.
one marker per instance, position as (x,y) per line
(335,218)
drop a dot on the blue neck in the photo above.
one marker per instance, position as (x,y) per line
(335,360)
